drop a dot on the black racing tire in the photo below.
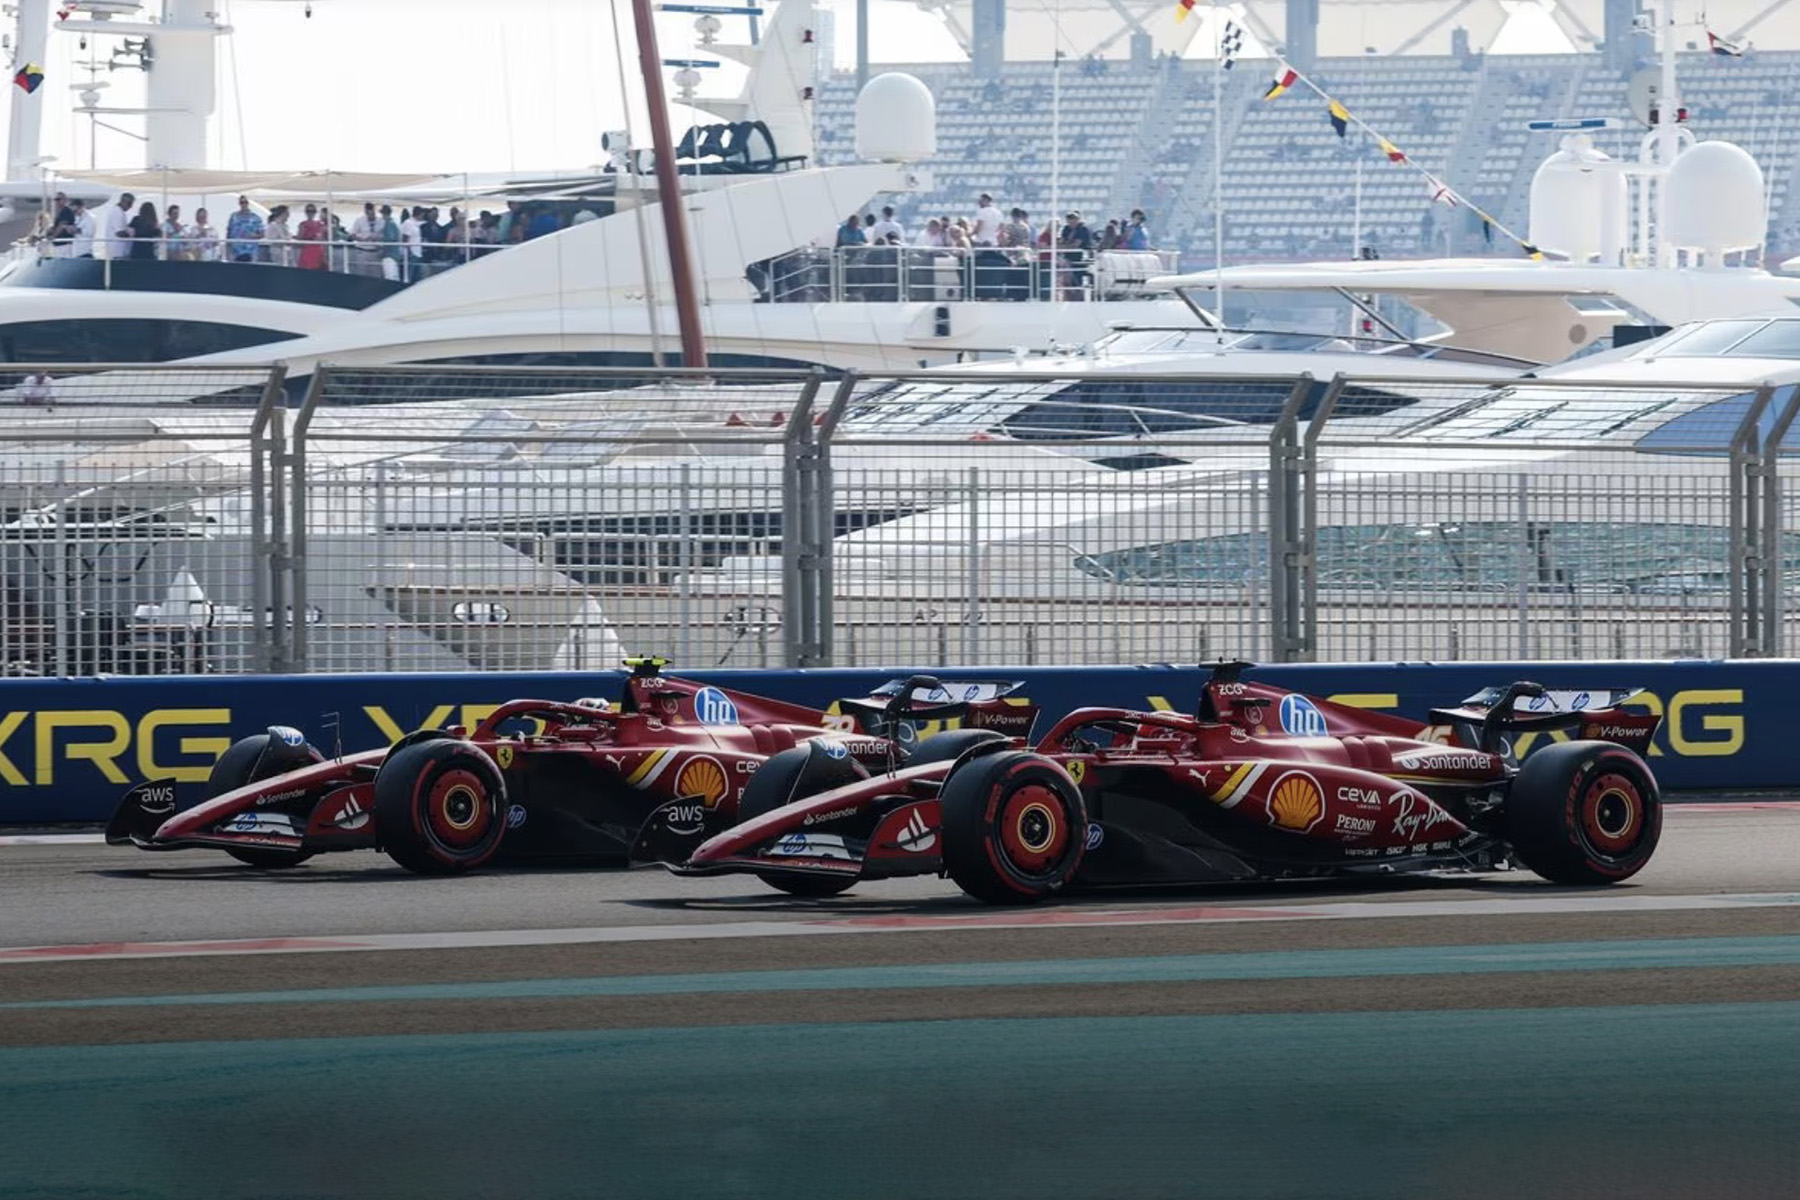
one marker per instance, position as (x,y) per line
(1584,813)
(776,783)
(237,767)
(440,807)
(951,744)
(1015,828)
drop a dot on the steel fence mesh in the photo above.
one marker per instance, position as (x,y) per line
(124,520)
(511,519)
(540,520)
(1048,520)
(1533,520)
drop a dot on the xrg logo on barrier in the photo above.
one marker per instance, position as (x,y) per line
(106,748)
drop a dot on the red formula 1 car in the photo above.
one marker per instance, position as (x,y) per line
(1260,783)
(537,779)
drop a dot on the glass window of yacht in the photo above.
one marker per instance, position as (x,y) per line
(126,340)
(1703,340)
(1498,556)
(1527,413)
(1113,406)
(1123,406)
(1777,339)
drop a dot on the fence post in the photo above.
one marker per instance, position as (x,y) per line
(1787,407)
(1285,618)
(971,647)
(262,471)
(1308,563)
(800,531)
(62,602)
(825,481)
(298,607)
(1745,592)
(279,601)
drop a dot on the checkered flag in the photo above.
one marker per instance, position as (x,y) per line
(1230,44)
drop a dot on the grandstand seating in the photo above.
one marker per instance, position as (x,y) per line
(1142,137)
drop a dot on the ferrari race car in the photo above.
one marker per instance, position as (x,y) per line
(1259,783)
(537,779)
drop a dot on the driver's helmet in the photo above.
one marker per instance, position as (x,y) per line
(593,702)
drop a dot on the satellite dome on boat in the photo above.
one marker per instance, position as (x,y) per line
(1578,203)
(896,119)
(1716,199)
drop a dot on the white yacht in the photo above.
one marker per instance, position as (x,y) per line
(595,293)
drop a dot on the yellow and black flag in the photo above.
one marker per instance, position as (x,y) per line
(1340,117)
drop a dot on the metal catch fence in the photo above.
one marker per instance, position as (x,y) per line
(162,520)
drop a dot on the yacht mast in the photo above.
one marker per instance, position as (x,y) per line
(1218,172)
(668,184)
(22,136)
(1668,133)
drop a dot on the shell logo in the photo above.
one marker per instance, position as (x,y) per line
(702,777)
(1296,803)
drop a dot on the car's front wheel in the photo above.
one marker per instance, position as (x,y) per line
(1014,828)
(440,806)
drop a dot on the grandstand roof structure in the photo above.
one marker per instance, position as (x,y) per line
(1035,29)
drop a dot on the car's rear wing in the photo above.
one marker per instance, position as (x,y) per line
(985,703)
(1486,719)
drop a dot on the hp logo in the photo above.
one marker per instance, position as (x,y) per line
(714,707)
(1301,717)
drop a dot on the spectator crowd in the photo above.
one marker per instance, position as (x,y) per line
(393,242)
(1016,257)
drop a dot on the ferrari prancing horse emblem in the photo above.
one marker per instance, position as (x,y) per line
(504,755)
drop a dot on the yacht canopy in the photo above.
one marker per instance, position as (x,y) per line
(203,180)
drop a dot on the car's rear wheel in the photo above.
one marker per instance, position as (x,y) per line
(951,744)
(1014,828)
(781,780)
(1584,812)
(246,761)
(440,807)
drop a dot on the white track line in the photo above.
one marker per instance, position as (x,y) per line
(1679,809)
(978,920)
(52,839)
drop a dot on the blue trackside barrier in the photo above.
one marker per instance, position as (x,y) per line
(69,748)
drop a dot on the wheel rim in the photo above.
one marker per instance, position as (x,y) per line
(1034,833)
(457,811)
(1612,814)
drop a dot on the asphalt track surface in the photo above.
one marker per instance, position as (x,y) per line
(177,1026)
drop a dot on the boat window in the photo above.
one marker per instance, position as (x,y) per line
(1496,556)
(1123,406)
(1702,341)
(119,340)
(1522,412)
(1777,339)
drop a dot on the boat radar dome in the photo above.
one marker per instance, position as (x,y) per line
(1578,203)
(1715,199)
(896,119)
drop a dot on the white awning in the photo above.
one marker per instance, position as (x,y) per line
(151,180)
